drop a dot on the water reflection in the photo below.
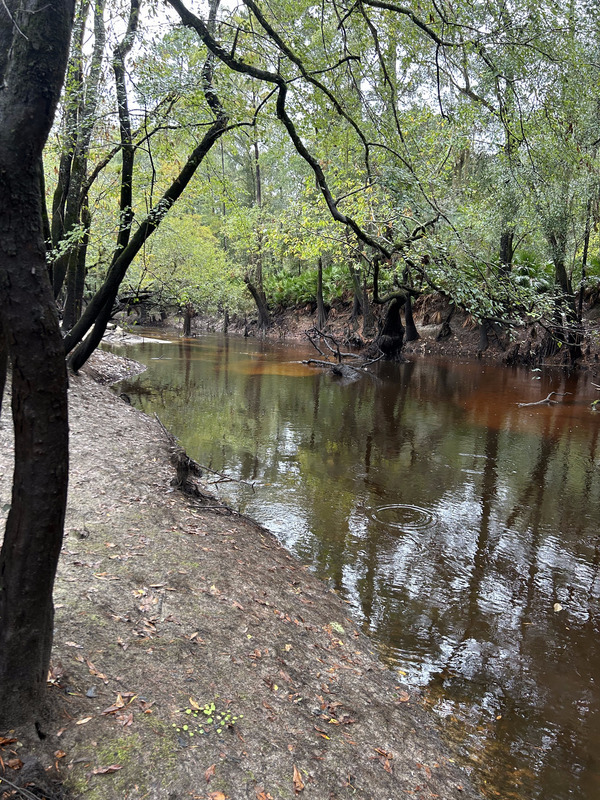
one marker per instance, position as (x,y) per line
(451,519)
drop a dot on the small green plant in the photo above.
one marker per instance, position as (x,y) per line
(202,720)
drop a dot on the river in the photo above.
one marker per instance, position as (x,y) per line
(461,529)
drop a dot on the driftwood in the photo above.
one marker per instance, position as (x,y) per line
(329,341)
(347,371)
(546,401)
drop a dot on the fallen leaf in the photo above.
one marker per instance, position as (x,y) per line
(83,721)
(106,770)
(15,763)
(298,782)
(4,741)
(262,795)
(59,754)
(194,704)
(209,774)
(218,796)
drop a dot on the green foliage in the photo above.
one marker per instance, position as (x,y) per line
(189,265)
(492,134)
(288,290)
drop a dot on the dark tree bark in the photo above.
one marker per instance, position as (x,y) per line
(79,122)
(264,318)
(188,315)
(484,341)
(321,312)
(34,45)
(3,367)
(506,250)
(412,334)
(357,299)
(368,315)
(391,337)
(121,52)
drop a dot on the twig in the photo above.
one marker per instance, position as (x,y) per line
(12,19)
(372,361)
(546,400)
(225,477)
(326,338)
(20,789)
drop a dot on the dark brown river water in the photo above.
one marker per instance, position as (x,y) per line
(461,529)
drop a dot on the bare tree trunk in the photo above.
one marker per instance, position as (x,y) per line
(391,338)
(412,334)
(484,341)
(81,117)
(368,315)
(321,312)
(584,259)
(264,318)
(188,315)
(34,45)
(506,250)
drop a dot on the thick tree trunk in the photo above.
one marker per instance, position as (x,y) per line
(31,74)
(484,341)
(391,338)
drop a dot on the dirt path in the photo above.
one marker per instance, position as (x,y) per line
(194,657)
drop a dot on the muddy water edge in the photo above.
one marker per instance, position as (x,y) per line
(460,526)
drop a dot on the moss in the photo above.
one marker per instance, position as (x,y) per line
(137,754)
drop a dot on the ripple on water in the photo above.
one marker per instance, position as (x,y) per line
(404,517)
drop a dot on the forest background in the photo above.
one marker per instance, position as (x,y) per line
(393,150)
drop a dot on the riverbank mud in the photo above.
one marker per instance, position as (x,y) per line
(443,330)
(193,656)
